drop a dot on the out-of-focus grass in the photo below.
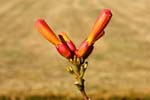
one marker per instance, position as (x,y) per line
(59,97)
(119,63)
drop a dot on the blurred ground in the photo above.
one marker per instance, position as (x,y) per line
(120,62)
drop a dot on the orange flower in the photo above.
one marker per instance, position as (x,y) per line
(98,28)
(47,32)
(96,33)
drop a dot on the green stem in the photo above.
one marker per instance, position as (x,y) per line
(78,69)
(82,90)
(81,86)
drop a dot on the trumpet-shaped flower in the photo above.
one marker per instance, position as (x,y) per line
(47,32)
(96,33)
(100,24)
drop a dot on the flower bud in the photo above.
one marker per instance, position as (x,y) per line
(99,26)
(88,52)
(63,37)
(46,31)
(64,50)
(86,47)
(84,50)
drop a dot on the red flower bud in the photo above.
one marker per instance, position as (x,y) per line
(84,50)
(88,52)
(64,50)
(63,36)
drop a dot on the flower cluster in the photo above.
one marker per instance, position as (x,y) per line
(76,56)
(63,43)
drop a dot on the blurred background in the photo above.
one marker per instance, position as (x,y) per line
(29,64)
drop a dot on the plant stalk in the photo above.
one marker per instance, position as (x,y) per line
(78,69)
(85,97)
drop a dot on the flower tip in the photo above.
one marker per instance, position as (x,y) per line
(39,21)
(107,12)
(64,35)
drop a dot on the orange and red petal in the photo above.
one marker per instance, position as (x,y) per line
(99,25)
(46,31)
(99,36)
(84,50)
